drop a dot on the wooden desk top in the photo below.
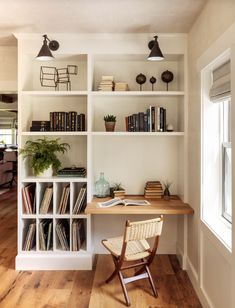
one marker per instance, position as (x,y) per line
(157,206)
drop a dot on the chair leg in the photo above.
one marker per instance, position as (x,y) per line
(115,272)
(128,303)
(151,281)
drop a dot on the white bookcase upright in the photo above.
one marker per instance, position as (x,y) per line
(128,157)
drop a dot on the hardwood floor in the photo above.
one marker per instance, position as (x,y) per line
(72,289)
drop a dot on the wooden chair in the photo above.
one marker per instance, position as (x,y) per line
(134,248)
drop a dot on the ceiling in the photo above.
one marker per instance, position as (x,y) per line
(96,16)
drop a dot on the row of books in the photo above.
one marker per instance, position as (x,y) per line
(30,239)
(62,232)
(29,198)
(154,120)
(67,121)
(107,84)
(45,234)
(79,205)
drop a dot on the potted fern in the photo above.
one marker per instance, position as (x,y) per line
(42,155)
(110,121)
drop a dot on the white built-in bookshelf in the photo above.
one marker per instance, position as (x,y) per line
(131,158)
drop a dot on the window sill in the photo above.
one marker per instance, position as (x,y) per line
(222,229)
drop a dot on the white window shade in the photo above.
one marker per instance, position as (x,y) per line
(221,87)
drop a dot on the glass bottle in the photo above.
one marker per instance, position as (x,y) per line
(102,187)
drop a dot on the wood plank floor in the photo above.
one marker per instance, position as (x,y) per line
(68,289)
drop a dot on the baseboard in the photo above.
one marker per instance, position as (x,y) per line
(54,262)
(180,256)
(194,278)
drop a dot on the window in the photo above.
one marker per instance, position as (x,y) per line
(226,161)
(216,176)
(6,136)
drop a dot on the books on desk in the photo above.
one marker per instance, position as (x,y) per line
(125,202)
(153,190)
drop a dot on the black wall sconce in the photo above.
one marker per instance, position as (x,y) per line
(45,51)
(155,54)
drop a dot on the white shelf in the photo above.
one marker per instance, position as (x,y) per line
(159,134)
(53,179)
(137,93)
(55,93)
(54,133)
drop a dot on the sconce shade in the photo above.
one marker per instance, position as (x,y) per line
(155,54)
(45,51)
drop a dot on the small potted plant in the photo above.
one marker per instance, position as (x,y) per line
(110,121)
(117,191)
(166,192)
(42,155)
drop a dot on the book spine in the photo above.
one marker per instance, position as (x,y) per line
(161,119)
(145,122)
(134,122)
(83,122)
(158,119)
(78,123)
(126,122)
(153,118)
(141,119)
(148,119)
(51,121)
(164,119)
(129,123)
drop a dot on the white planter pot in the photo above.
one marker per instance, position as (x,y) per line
(47,173)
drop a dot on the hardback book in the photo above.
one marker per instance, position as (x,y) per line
(30,239)
(124,202)
(62,231)
(78,234)
(46,200)
(29,198)
(64,200)
(81,201)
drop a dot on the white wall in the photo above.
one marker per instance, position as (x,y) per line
(8,68)
(210,265)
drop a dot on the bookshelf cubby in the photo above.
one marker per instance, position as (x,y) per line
(131,158)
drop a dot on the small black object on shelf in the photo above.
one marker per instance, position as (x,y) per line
(153,80)
(141,79)
(167,77)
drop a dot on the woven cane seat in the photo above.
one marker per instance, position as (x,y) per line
(135,250)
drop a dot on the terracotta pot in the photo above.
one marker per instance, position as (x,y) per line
(110,126)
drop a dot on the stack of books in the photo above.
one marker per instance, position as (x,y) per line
(80,203)
(117,193)
(29,198)
(30,240)
(38,126)
(153,190)
(106,84)
(62,231)
(67,121)
(46,200)
(121,86)
(70,172)
(45,234)
(78,234)
(64,200)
